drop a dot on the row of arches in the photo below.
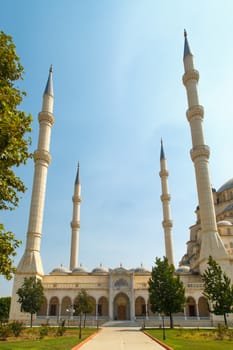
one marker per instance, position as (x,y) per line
(66,307)
(121,307)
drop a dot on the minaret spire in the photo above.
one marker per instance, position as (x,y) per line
(30,263)
(211,244)
(75,224)
(165,198)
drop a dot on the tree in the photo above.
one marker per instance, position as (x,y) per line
(14,142)
(31,295)
(8,244)
(166,291)
(5,303)
(82,306)
(218,289)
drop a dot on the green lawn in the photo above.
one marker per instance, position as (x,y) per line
(66,342)
(183,339)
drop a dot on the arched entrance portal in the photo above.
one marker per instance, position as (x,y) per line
(121,307)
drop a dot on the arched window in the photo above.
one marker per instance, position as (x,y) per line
(140,307)
(53,306)
(43,308)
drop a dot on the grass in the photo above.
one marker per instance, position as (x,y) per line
(29,339)
(204,339)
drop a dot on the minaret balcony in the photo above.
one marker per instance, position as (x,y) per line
(42,154)
(75,224)
(165,197)
(190,75)
(163,173)
(167,223)
(46,117)
(201,151)
(196,112)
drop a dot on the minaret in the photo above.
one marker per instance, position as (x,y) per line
(165,199)
(211,244)
(30,263)
(75,224)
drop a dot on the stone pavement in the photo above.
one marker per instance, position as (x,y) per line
(121,338)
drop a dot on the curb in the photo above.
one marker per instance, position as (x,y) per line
(76,347)
(157,341)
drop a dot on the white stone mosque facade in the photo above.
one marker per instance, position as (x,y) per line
(122,294)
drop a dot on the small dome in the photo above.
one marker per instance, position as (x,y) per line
(120,269)
(100,269)
(226,186)
(142,269)
(60,270)
(224,223)
(79,269)
(183,269)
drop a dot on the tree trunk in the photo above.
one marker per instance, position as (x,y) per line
(171,320)
(225,319)
(31,320)
(84,322)
(80,326)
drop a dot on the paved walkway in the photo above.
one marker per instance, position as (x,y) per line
(121,338)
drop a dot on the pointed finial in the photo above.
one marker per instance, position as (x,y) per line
(162,154)
(77,180)
(187,50)
(49,85)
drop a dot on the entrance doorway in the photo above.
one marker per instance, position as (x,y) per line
(121,307)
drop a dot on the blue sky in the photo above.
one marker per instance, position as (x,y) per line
(118,89)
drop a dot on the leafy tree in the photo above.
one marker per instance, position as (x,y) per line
(218,289)
(166,291)
(14,143)
(5,303)
(31,295)
(8,244)
(83,305)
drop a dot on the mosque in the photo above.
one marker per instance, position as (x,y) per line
(122,294)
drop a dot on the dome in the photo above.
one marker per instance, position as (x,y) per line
(60,270)
(79,269)
(142,269)
(100,269)
(229,207)
(224,223)
(226,186)
(183,269)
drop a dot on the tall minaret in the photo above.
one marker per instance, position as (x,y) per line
(30,263)
(211,244)
(165,198)
(75,224)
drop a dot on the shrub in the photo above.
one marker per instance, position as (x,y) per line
(61,329)
(4,331)
(16,327)
(43,331)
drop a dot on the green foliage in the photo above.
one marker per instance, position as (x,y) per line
(16,327)
(14,144)
(5,303)
(166,291)
(31,295)
(43,331)
(83,303)
(14,124)
(61,330)
(194,339)
(218,289)
(8,245)
(4,331)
